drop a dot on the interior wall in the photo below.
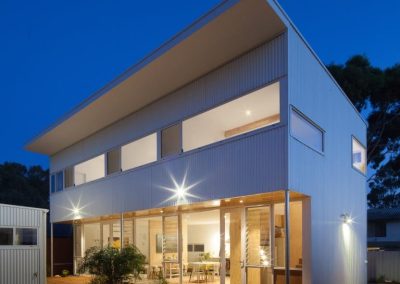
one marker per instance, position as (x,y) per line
(296,233)
(207,234)
(142,236)
(139,152)
(155,228)
(89,170)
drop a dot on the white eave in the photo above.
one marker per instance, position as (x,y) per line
(229,30)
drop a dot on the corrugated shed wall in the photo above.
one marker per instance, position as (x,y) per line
(17,216)
(244,74)
(338,254)
(23,264)
(18,266)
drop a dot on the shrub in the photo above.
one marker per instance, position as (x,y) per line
(64,273)
(112,265)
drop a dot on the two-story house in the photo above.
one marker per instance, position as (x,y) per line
(228,155)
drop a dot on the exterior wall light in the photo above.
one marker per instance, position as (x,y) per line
(346,219)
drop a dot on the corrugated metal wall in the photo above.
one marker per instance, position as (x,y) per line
(17,216)
(252,164)
(338,254)
(244,74)
(18,266)
(23,264)
(384,263)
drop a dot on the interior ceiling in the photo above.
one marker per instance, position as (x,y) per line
(209,43)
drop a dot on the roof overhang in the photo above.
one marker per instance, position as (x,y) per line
(229,30)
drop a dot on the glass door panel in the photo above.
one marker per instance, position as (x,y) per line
(170,247)
(258,245)
(116,235)
(128,233)
(106,234)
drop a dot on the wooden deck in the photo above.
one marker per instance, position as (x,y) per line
(69,280)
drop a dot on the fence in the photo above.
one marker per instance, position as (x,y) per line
(384,263)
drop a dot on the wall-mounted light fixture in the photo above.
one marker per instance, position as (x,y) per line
(346,218)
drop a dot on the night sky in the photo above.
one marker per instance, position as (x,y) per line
(55,53)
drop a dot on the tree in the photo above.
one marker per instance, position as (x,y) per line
(376,93)
(24,186)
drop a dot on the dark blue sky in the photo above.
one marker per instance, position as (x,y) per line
(55,53)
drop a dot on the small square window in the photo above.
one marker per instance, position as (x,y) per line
(25,237)
(6,236)
(171,141)
(359,156)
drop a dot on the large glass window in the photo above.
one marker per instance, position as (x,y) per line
(139,152)
(171,141)
(92,235)
(255,110)
(6,236)
(305,131)
(89,170)
(359,156)
(26,236)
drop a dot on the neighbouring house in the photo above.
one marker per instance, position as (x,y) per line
(384,244)
(22,244)
(228,155)
(384,229)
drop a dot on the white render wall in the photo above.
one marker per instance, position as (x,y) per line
(18,264)
(338,254)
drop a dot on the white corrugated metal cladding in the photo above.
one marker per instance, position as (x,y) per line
(22,245)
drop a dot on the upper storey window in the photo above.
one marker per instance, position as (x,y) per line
(247,113)
(359,156)
(89,170)
(139,152)
(307,132)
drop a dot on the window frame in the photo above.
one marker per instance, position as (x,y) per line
(13,236)
(160,133)
(22,228)
(57,175)
(312,123)
(351,159)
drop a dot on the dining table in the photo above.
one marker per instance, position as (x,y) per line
(197,268)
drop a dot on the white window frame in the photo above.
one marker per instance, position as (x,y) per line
(351,160)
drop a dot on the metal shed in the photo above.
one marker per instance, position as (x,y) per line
(22,245)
